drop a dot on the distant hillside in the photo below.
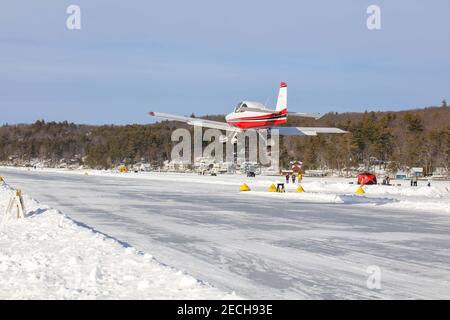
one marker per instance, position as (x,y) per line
(419,137)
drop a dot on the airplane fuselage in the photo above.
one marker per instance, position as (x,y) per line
(250,115)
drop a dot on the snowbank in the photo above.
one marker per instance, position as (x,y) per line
(49,256)
(425,199)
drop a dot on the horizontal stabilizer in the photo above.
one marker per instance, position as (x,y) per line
(306,131)
(306,115)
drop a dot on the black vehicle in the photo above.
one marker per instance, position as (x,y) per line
(251,174)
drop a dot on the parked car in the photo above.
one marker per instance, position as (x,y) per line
(367,178)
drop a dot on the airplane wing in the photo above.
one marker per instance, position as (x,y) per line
(306,131)
(195,121)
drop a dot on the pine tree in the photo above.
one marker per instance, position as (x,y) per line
(414,122)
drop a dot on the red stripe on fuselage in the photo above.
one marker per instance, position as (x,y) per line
(257,124)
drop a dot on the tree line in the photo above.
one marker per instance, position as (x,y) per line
(414,138)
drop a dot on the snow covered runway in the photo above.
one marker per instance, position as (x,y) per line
(314,245)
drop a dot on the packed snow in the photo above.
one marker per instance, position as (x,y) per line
(49,256)
(312,245)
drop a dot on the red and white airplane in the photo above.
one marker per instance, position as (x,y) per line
(249,115)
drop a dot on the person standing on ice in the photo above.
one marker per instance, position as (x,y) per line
(415,181)
(287,178)
(429,182)
(293,178)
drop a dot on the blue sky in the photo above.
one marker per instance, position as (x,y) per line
(131,57)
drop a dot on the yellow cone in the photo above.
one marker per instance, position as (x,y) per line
(272,188)
(299,188)
(1,179)
(360,190)
(244,187)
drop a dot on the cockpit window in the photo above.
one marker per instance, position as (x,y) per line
(241,107)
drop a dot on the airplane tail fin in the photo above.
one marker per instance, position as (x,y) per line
(282,98)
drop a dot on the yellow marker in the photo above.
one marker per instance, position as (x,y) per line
(244,187)
(18,193)
(1,179)
(272,188)
(360,190)
(299,188)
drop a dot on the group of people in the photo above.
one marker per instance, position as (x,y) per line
(414,182)
(295,176)
(386,181)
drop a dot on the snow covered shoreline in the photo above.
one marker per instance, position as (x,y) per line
(49,256)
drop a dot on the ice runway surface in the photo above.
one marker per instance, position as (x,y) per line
(260,247)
